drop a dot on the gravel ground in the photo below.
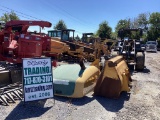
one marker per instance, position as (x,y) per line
(142,103)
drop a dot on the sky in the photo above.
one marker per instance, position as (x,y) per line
(81,15)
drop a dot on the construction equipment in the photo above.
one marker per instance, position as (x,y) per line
(73,80)
(10,93)
(103,48)
(87,38)
(57,47)
(109,81)
(16,43)
(76,49)
(114,78)
(131,49)
(77,80)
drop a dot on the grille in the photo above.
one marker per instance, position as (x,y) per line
(151,47)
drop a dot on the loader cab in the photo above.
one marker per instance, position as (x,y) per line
(55,33)
(67,35)
(87,38)
(63,35)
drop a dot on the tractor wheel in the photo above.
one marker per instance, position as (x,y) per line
(140,61)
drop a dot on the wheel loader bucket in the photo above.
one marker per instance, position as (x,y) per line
(114,79)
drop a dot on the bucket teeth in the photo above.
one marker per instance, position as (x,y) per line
(3,99)
(16,93)
(19,91)
(10,93)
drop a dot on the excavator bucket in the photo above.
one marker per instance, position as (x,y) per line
(114,79)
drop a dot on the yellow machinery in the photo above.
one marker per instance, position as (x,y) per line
(102,47)
(57,48)
(64,45)
(66,40)
(114,79)
(73,80)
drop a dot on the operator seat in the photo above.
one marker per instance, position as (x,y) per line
(13,45)
(12,49)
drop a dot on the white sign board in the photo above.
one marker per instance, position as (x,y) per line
(37,79)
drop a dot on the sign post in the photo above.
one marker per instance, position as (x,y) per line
(37,79)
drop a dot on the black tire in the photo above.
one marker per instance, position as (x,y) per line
(140,61)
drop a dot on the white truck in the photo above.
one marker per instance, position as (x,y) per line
(151,46)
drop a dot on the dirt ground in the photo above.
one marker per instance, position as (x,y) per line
(141,103)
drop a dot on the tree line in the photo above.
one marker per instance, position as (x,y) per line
(148,22)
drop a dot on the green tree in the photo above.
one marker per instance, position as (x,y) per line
(9,16)
(60,25)
(154,19)
(143,20)
(154,29)
(114,35)
(134,23)
(153,33)
(104,30)
(122,24)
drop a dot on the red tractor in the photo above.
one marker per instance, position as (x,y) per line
(16,43)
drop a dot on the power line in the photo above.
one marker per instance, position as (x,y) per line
(16,14)
(51,6)
(20,12)
(23,15)
(29,18)
(72,15)
(62,12)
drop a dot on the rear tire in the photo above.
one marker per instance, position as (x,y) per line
(140,61)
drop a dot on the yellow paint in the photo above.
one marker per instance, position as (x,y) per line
(88,78)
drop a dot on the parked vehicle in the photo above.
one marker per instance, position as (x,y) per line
(151,46)
(131,49)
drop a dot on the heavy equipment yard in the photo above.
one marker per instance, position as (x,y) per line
(79,60)
(142,102)
(89,81)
